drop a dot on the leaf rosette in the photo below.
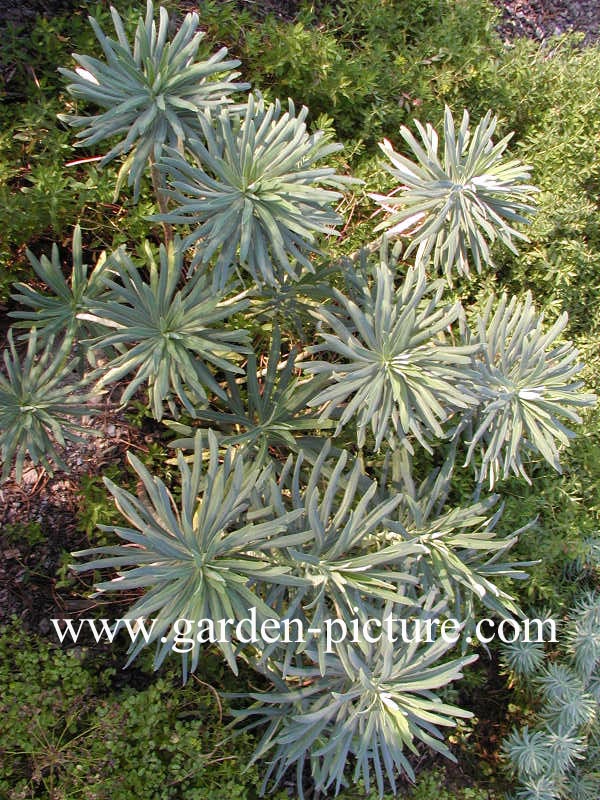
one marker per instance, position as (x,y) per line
(256,191)
(153,93)
(196,557)
(456,204)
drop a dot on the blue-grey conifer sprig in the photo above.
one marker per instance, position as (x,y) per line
(528,752)
(560,756)
(524,658)
(583,641)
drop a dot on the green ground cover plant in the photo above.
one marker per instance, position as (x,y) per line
(70,730)
(428,393)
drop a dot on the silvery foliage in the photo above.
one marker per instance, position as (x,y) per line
(527,386)
(560,757)
(584,637)
(57,314)
(40,399)
(541,788)
(256,194)
(345,567)
(396,369)
(197,556)
(294,547)
(568,704)
(456,204)
(315,537)
(529,752)
(171,331)
(369,706)
(153,93)
(462,554)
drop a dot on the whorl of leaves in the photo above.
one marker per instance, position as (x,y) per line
(39,397)
(57,314)
(458,203)
(172,332)
(255,194)
(398,371)
(153,93)
(266,412)
(195,557)
(345,566)
(371,706)
(527,387)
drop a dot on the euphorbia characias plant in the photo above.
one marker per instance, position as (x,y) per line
(153,91)
(295,493)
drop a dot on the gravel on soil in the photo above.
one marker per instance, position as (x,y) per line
(536,19)
(541,19)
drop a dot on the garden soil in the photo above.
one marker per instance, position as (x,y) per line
(537,19)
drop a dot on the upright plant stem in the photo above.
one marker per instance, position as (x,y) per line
(161,199)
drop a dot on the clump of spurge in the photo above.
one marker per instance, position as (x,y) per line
(257,192)
(263,513)
(152,93)
(456,203)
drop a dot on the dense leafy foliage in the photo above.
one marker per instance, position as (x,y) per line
(403,377)
(345,566)
(255,186)
(171,331)
(271,415)
(72,729)
(39,400)
(398,366)
(457,205)
(197,559)
(562,754)
(526,386)
(152,93)
(463,554)
(370,705)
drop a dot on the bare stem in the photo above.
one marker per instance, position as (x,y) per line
(161,199)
